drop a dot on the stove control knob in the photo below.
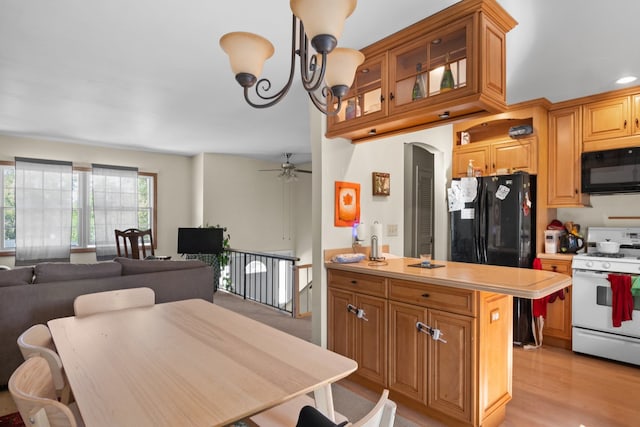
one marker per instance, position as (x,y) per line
(589,264)
(606,265)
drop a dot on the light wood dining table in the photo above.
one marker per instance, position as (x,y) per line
(187,363)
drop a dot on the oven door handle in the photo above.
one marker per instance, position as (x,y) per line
(590,274)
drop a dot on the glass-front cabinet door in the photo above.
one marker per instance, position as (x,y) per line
(365,99)
(430,67)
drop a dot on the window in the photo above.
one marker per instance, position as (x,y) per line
(82,225)
(8,205)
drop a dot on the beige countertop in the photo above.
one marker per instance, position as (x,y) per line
(519,282)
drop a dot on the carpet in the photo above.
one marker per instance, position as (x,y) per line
(11,420)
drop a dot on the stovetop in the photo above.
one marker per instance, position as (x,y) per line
(627,260)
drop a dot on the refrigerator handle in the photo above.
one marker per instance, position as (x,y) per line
(482,228)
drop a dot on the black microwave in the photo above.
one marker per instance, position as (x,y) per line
(611,171)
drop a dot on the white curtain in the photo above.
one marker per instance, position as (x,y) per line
(44,206)
(115,205)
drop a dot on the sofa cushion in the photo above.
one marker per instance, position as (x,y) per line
(17,276)
(142,266)
(47,272)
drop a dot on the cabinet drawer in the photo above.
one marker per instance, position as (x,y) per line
(557,266)
(454,300)
(357,282)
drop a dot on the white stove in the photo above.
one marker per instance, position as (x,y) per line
(594,331)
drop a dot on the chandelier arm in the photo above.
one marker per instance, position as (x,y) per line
(310,81)
(322,105)
(264,85)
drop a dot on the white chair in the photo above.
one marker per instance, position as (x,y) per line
(87,304)
(37,341)
(31,387)
(383,414)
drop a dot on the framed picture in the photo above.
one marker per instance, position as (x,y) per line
(381,184)
(347,204)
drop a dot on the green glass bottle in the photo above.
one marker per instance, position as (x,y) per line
(419,86)
(447,83)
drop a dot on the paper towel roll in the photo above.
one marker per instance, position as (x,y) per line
(361,232)
(376,230)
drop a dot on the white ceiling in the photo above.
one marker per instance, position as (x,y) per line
(150,75)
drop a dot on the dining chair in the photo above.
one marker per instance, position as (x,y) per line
(301,412)
(133,243)
(119,299)
(37,341)
(31,387)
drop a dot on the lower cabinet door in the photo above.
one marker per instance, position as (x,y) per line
(407,351)
(450,382)
(371,338)
(340,322)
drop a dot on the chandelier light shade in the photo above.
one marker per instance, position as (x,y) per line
(341,68)
(247,51)
(326,76)
(322,18)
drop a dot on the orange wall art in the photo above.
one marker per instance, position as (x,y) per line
(347,210)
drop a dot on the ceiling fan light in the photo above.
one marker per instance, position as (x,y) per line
(323,17)
(341,66)
(247,52)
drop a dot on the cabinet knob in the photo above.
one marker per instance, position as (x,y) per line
(554,268)
(354,282)
(425,295)
(381,98)
(576,190)
(625,123)
(637,122)
(391,97)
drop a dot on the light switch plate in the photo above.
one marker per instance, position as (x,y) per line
(392,230)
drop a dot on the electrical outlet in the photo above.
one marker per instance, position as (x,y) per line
(392,230)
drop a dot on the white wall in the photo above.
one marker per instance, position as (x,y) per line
(603,207)
(259,210)
(340,160)
(175,198)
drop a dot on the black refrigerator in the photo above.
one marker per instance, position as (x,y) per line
(496,225)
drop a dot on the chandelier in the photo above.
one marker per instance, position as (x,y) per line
(326,75)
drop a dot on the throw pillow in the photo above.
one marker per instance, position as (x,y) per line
(17,276)
(47,272)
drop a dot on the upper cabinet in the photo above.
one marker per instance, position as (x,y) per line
(448,65)
(611,123)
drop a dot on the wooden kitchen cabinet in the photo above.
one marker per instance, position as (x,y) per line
(565,151)
(362,338)
(611,123)
(557,324)
(498,157)
(468,37)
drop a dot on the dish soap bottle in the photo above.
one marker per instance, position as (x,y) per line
(470,168)
(419,85)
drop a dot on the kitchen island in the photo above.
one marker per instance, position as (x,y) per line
(440,339)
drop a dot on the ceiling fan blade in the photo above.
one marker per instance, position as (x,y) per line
(269,170)
(302,170)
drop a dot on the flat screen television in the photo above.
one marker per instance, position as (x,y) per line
(200,240)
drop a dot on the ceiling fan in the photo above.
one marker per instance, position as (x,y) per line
(288,171)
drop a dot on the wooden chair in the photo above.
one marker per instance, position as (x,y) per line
(119,299)
(37,341)
(133,243)
(383,414)
(31,387)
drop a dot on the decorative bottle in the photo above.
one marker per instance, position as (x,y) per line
(350,112)
(419,91)
(447,83)
(470,168)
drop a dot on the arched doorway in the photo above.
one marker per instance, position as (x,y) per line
(418,200)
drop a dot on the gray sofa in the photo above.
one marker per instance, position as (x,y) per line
(32,295)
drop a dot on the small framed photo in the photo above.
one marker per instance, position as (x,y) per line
(381,184)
